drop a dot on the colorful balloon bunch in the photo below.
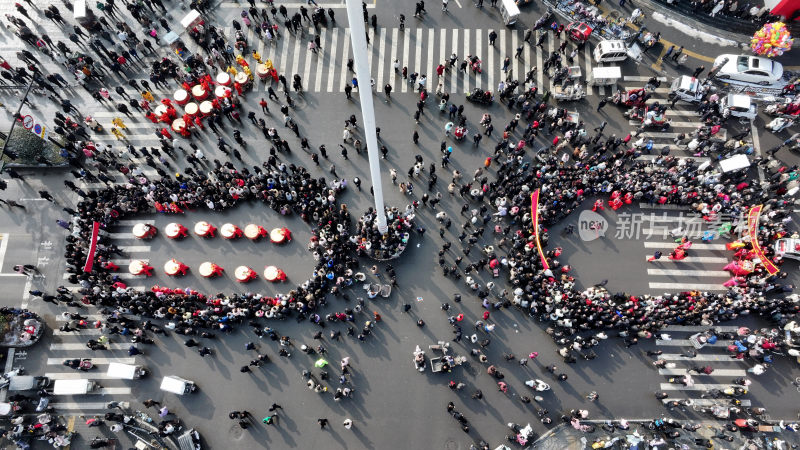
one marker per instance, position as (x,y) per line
(771,40)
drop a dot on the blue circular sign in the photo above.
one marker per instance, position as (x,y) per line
(37,129)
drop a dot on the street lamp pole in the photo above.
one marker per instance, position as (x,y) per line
(358,40)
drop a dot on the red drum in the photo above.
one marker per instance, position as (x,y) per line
(199,92)
(224,79)
(181,97)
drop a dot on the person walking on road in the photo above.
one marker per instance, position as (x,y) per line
(601,104)
(492,37)
(656,256)
(698,71)
(677,53)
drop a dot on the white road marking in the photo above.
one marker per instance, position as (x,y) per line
(688,286)
(716,373)
(698,328)
(694,259)
(406,60)
(688,273)
(134,248)
(332,59)
(696,387)
(687,343)
(707,401)
(80,346)
(76,375)
(381,61)
(73,406)
(693,247)
(81,332)
(95,361)
(641,78)
(321,56)
(700,357)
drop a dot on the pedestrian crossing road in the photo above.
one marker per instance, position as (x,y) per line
(726,369)
(72,345)
(702,270)
(419,49)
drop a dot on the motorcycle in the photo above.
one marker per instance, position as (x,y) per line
(79,364)
(734,391)
(538,385)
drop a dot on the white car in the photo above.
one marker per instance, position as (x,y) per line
(748,69)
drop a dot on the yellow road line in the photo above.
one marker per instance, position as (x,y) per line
(666,43)
(70,428)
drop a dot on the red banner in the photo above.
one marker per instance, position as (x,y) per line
(752,230)
(535,220)
(92,248)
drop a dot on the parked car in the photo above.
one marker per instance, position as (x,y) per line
(748,69)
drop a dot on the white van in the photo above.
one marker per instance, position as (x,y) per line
(73,387)
(610,51)
(125,371)
(177,385)
(510,11)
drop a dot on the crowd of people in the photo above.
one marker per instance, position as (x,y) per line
(573,167)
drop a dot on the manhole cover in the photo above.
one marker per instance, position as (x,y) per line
(451,445)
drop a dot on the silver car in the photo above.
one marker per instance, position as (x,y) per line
(748,69)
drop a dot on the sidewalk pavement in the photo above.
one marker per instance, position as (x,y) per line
(565,437)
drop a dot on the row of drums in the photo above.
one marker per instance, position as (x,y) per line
(208,269)
(204,229)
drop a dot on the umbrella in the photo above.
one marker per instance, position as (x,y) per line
(320,363)
(741,423)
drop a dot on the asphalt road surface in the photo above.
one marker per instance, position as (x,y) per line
(393,406)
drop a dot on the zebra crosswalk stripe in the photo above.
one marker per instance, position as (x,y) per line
(687,343)
(688,273)
(514,59)
(700,328)
(650,244)
(699,357)
(345,56)
(684,286)
(332,59)
(716,373)
(381,60)
(95,361)
(694,387)
(63,346)
(323,54)
(431,61)
(709,401)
